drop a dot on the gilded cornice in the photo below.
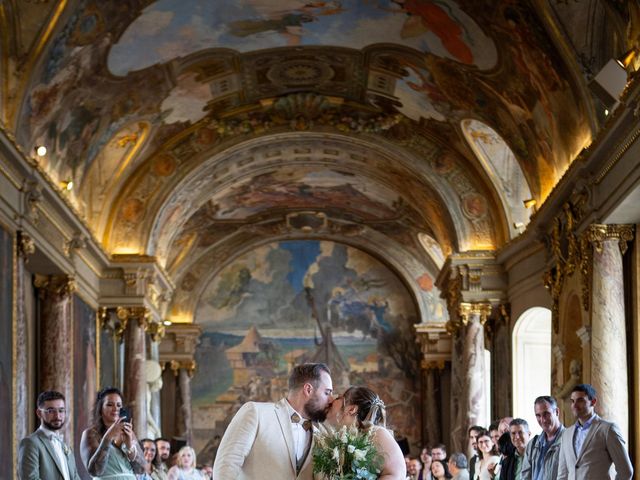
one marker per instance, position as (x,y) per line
(156,331)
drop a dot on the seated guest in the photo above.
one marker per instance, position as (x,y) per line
(439,470)
(109,448)
(163,455)
(489,458)
(425,460)
(458,466)
(185,467)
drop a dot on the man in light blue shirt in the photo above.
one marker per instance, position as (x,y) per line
(541,457)
(591,445)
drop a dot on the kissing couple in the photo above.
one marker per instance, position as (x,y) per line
(275,441)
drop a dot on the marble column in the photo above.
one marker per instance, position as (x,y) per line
(458,432)
(135,384)
(609,365)
(26,247)
(474,396)
(56,334)
(431,404)
(184,371)
(156,333)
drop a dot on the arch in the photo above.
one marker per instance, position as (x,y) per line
(531,342)
(504,170)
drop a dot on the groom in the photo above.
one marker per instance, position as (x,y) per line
(273,440)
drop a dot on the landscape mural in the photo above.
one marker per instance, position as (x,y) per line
(295,301)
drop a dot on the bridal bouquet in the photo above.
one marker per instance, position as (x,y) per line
(346,454)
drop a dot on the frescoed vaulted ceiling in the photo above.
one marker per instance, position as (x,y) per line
(192,129)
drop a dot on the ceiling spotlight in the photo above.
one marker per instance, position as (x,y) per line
(167,323)
(627,57)
(531,202)
(41,150)
(67,185)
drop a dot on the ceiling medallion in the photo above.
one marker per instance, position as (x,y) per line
(298,72)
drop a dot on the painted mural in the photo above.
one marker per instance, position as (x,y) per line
(173,28)
(6,345)
(295,301)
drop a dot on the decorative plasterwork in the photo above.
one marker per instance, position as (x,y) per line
(435,342)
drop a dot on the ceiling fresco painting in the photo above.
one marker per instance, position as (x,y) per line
(176,28)
(189,128)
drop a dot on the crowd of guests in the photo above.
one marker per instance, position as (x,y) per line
(109,448)
(506,450)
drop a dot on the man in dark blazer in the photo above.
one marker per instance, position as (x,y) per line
(592,444)
(43,454)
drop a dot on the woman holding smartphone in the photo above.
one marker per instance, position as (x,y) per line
(109,448)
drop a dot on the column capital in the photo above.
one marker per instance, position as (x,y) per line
(598,233)
(125,314)
(435,343)
(188,365)
(60,285)
(481,309)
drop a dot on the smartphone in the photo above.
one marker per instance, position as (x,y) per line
(125,415)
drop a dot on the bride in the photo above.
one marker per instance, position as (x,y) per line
(361,406)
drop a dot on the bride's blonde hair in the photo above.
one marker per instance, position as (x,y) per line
(371,409)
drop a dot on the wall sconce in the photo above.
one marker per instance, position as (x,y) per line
(40,150)
(531,202)
(610,82)
(518,225)
(67,185)
(167,323)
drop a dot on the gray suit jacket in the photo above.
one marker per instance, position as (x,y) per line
(258,444)
(37,460)
(603,446)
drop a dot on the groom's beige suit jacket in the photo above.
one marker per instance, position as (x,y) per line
(258,444)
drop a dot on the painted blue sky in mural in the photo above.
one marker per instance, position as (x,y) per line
(168,29)
(303,255)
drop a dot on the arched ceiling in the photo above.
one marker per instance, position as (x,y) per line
(190,127)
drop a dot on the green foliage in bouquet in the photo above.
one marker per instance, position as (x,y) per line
(346,454)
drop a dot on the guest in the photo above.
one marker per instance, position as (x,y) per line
(43,453)
(149,453)
(439,470)
(511,467)
(458,466)
(185,467)
(425,460)
(413,469)
(543,452)
(109,447)
(473,433)
(489,458)
(439,452)
(163,455)
(591,445)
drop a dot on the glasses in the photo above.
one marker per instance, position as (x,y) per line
(51,411)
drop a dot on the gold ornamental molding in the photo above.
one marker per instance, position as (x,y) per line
(467,310)
(156,331)
(188,365)
(124,314)
(597,234)
(26,246)
(60,285)
(432,364)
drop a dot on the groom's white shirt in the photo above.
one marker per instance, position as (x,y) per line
(259,444)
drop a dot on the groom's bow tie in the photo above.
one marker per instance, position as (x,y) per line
(295,418)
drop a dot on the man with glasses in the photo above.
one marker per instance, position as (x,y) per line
(43,454)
